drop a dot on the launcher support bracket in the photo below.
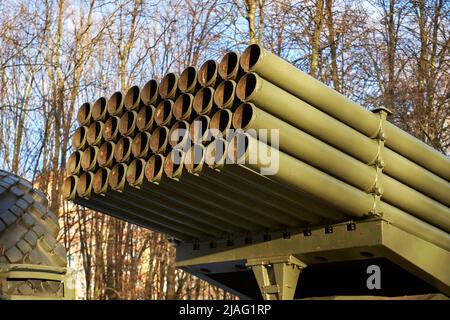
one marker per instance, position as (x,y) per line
(378,162)
(277,277)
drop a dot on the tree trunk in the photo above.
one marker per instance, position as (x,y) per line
(333,44)
(315,38)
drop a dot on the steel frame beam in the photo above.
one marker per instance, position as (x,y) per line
(348,241)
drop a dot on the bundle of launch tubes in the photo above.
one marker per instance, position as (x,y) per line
(248,145)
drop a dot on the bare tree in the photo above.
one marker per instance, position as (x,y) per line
(253,11)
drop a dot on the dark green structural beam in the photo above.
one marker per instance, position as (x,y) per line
(351,241)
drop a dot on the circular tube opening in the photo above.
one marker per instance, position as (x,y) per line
(132,98)
(135,172)
(84,185)
(84,114)
(251,56)
(154,168)
(225,94)
(246,86)
(243,116)
(207,75)
(149,93)
(89,158)
(100,184)
(74,162)
(111,129)
(145,118)
(122,150)
(194,158)
(179,134)
(99,110)
(141,144)
(182,109)
(199,128)
(117,176)
(158,139)
(221,122)
(106,154)
(215,153)
(79,138)
(70,188)
(188,79)
(94,134)
(163,113)
(229,65)
(203,100)
(238,147)
(127,123)
(168,86)
(115,104)
(173,165)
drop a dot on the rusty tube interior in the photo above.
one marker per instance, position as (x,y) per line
(99,109)
(246,86)
(204,101)
(208,74)
(74,162)
(117,176)
(159,140)
(221,122)
(238,147)
(154,168)
(229,67)
(194,158)
(163,113)
(243,116)
(84,185)
(122,151)
(70,187)
(84,115)
(115,104)
(135,172)
(100,184)
(79,138)
(89,158)
(127,123)
(111,129)
(179,134)
(224,96)
(173,164)
(149,93)
(182,108)
(216,153)
(188,80)
(250,58)
(168,88)
(198,130)
(105,156)
(95,133)
(141,145)
(132,98)
(145,118)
